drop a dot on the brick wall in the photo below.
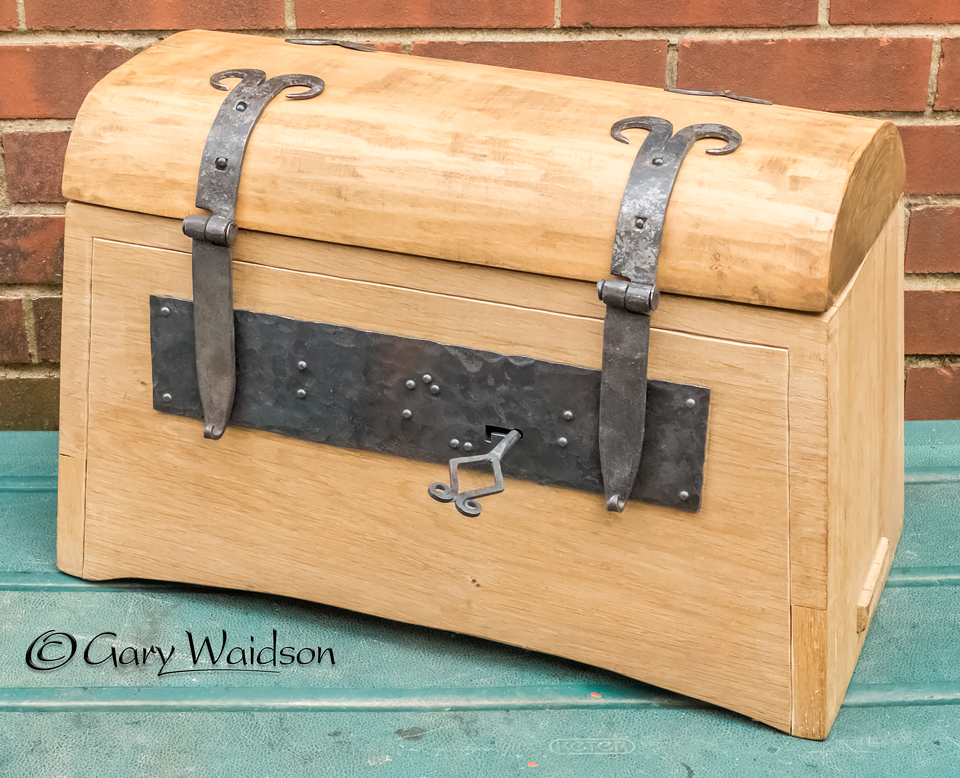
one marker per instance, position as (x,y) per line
(897,59)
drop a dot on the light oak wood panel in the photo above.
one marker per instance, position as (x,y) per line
(811,655)
(697,603)
(71,494)
(495,167)
(75,331)
(865,443)
(870,593)
(74,374)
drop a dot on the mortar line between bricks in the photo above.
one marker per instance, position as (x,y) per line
(557,13)
(21,15)
(33,209)
(36,125)
(29,291)
(912,118)
(911,361)
(140,38)
(931,282)
(673,59)
(919,202)
(42,370)
(30,328)
(290,15)
(823,14)
(932,84)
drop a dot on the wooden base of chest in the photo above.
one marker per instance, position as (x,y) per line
(758,603)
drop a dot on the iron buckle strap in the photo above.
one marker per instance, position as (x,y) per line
(213,236)
(631,299)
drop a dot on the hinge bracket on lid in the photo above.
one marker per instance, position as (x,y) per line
(626,328)
(214,235)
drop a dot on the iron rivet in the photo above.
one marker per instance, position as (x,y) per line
(167,397)
(221,163)
(241,106)
(434,389)
(658,161)
(684,496)
(301,365)
(301,393)
(468,446)
(411,384)
(407,413)
(164,311)
(427,378)
(568,415)
(641,220)
(691,403)
(454,443)
(562,442)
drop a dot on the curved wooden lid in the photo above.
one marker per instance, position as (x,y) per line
(493,166)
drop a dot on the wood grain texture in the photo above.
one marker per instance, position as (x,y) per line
(865,444)
(75,335)
(697,604)
(870,593)
(833,378)
(494,167)
(804,336)
(810,670)
(71,493)
(74,375)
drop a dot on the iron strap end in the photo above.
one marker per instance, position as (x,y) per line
(632,298)
(213,236)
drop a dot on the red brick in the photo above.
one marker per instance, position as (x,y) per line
(931,322)
(29,403)
(932,393)
(34,162)
(894,11)
(8,15)
(933,164)
(933,241)
(13,332)
(31,249)
(632,62)
(336,14)
(827,74)
(689,13)
(50,82)
(46,322)
(948,79)
(154,14)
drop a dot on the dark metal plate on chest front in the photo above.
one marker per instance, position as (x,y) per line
(418,399)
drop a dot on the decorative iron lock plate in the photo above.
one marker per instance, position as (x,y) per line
(428,401)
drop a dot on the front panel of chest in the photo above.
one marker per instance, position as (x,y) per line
(697,602)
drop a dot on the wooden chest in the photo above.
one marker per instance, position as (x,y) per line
(415,277)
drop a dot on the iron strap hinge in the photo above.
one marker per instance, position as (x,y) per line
(213,236)
(626,328)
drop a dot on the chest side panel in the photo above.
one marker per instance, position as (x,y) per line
(695,603)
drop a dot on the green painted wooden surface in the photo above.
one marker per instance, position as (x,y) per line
(415,703)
